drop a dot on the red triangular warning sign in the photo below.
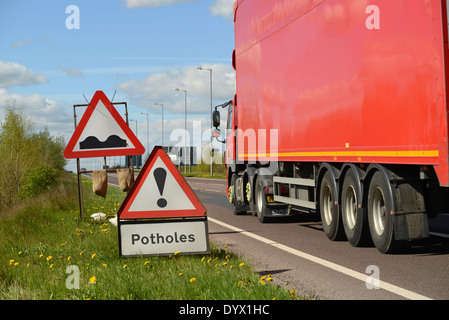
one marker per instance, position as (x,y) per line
(160,191)
(102,132)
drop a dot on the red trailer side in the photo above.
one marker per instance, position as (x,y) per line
(354,81)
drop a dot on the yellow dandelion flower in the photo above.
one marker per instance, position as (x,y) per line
(11,262)
(202,259)
(263,278)
(225,263)
(292,292)
(41,255)
(62,244)
(192,279)
(16,264)
(262,282)
(92,280)
(93,256)
(242,264)
(227,256)
(209,260)
(180,274)
(177,252)
(146,263)
(20,252)
(49,258)
(225,245)
(125,266)
(81,253)
(68,258)
(269,279)
(51,266)
(240,283)
(105,265)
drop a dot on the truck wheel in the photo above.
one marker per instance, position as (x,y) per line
(238,208)
(355,219)
(252,207)
(380,209)
(330,217)
(260,202)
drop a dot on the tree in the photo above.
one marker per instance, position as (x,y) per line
(26,157)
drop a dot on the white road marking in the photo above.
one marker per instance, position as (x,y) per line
(216,191)
(439,234)
(349,272)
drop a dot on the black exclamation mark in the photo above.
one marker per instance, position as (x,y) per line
(160,174)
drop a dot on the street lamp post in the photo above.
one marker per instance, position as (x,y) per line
(160,104)
(211,138)
(148,134)
(135,164)
(136,125)
(185,130)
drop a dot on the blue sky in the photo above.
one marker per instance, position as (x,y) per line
(142,49)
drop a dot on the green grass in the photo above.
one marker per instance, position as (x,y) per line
(41,244)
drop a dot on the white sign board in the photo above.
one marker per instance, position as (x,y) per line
(164,237)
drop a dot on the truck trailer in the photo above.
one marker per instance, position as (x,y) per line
(341,110)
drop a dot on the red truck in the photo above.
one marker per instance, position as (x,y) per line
(341,109)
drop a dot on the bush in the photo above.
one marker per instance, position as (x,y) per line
(37,180)
(29,161)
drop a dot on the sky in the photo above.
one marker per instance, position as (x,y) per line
(57,53)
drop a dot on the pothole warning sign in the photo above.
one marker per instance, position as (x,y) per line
(187,236)
(161,214)
(160,191)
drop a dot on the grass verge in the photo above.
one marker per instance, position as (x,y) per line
(44,255)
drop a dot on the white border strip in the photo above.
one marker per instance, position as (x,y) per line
(349,272)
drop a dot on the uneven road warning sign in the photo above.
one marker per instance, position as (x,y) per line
(102,132)
(161,214)
(160,191)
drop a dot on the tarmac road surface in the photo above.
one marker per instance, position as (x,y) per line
(297,254)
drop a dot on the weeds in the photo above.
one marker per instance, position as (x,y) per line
(45,255)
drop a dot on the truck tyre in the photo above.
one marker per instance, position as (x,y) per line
(237,207)
(355,218)
(380,210)
(260,202)
(329,211)
(249,197)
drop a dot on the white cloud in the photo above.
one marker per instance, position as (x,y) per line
(159,87)
(223,8)
(30,40)
(42,111)
(153,3)
(72,72)
(14,74)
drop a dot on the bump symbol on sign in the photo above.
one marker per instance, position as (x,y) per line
(160,175)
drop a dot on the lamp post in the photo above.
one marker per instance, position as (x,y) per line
(160,104)
(211,138)
(136,125)
(148,137)
(185,130)
(135,164)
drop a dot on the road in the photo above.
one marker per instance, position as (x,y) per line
(299,256)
